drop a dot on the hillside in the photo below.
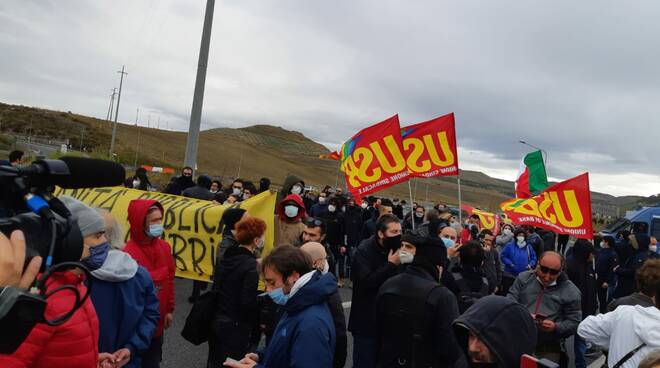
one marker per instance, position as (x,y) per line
(251,152)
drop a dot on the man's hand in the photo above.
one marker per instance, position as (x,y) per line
(122,357)
(252,356)
(12,259)
(105,360)
(453,251)
(547,325)
(394,257)
(244,363)
(604,286)
(169,318)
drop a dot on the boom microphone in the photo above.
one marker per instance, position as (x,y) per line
(74,173)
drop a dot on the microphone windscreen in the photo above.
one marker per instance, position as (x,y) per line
(90,173)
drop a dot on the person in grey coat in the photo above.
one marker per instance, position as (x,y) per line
(505,237)
(553,301)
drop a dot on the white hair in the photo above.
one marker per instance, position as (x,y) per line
(113,231)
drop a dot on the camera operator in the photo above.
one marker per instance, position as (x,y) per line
(75,342)
(12,259)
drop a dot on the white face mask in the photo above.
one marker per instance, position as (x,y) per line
(332,208)
(603,244)
(653,248)
(296,189)
(136,183)
(321,200)
(419,214)
(405,257)
(364,205)
(261,242)
(291,211)
(521,241)
(506,231)
(236,191)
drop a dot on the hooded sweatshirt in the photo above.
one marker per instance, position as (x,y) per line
(305,335)
(154,254)
(288,231)
(503,325)
(125,300)
(622,331)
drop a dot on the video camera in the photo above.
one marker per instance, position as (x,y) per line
(27,203)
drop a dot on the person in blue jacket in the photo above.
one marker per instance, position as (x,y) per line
(305,335)
(125,300)
(518,256)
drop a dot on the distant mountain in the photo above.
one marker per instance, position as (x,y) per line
(254,152)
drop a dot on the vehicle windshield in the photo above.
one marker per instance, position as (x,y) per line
(617,226)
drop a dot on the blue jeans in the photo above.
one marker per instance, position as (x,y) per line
(365,351)
(580,348)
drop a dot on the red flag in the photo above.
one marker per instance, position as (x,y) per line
(332,155)
(488,220)
(564,208)
(430,147)
(373,158)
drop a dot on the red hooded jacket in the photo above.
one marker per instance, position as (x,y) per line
(74,344)
(154,254)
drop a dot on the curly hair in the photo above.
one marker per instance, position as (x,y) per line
(248,229)
(648,277)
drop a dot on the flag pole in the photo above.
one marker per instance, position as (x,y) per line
(460,200)
(412,215)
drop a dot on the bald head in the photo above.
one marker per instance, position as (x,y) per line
(553,259)
(549,268)
(317,253)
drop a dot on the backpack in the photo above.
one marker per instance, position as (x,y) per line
(409,318)
(465,296)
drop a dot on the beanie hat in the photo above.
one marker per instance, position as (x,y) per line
(89,220)
(231,216)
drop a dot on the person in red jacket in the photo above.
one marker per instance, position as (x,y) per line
(153,253)
(73,344)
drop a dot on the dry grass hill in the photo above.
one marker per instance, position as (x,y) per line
(251,152)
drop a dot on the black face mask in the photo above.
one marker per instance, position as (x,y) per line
(392,242)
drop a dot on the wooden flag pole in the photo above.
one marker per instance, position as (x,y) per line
(460,200)
(412,215)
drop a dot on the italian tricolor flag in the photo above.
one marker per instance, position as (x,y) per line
(532,176)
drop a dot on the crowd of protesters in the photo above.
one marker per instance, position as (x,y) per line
(427,290)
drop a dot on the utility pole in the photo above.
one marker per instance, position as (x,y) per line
(82,134)
(108,116)
(198,98)
(114,127)
(137,146)
(158,126)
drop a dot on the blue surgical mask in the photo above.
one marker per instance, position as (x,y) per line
(448,242)
(278,296)
(97,256)
(156,230)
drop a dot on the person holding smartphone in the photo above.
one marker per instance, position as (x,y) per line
(553,301)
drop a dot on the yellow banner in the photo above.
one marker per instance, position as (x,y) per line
(192,226)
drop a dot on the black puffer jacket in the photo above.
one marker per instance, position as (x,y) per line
(505,326)
(369,270)
(236,281)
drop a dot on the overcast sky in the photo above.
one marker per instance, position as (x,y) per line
(579,79)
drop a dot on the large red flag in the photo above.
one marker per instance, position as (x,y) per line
(564,208)
(373,158)
(430,147)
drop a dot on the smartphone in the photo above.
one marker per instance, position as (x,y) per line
(528,361)
(230,360)
(540,317)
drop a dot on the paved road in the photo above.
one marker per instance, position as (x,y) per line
(179,353)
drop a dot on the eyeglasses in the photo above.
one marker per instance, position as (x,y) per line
(549,270)
(313,222)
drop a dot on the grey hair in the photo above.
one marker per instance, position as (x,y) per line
(113,231)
